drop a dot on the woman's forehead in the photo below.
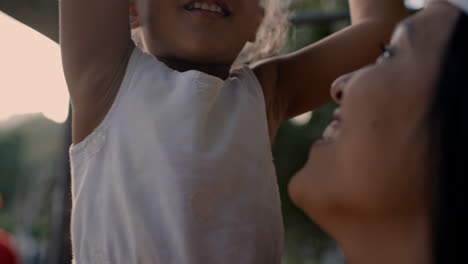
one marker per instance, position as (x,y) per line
(431,28)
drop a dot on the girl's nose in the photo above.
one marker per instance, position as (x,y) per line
(337,87)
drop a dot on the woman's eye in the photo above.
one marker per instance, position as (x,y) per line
(387,53)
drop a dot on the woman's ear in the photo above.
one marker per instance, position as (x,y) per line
(133,13)
(260,16)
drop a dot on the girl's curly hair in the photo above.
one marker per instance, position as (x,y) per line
(271,35)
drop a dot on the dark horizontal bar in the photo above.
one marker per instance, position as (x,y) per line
(324,18)
(319,17)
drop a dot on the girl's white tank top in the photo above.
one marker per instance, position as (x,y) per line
(179,171)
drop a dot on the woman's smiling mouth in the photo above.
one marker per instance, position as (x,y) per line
(333,130)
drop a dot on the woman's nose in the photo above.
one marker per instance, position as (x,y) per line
(337,87)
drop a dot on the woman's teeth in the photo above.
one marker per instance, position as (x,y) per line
(206,7)
(332,131)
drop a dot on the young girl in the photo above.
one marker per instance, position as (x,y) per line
(171,158)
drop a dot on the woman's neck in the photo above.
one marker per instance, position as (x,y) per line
(386,241)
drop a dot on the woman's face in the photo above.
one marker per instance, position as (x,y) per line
(375,159)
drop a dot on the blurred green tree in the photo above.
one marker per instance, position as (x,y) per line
(11,147)
(304,241)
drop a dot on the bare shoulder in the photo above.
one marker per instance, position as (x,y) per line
(94,93)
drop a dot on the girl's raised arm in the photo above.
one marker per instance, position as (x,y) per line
(298,82)
(96,46)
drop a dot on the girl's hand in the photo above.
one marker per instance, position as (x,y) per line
(460,4)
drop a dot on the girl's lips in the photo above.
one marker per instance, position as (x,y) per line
(205,7)
(206,13)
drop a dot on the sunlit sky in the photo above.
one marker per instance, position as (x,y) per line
(31,75)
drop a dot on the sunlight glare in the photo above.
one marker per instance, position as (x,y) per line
(302,119)
(31,74)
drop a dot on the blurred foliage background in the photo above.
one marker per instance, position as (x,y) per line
(305,243)
(31,151)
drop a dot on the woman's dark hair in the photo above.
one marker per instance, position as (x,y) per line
(450,111)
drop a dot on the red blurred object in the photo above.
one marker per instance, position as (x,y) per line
(7,252)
